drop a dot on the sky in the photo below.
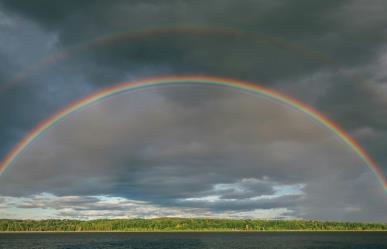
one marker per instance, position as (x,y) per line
(190,150)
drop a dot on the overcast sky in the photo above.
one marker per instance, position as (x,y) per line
(193,150)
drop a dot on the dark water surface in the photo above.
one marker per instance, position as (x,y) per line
(277,240)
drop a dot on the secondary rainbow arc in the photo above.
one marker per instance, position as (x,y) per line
(201,80)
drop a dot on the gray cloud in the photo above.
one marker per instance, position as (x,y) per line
(181,142)
(242,150)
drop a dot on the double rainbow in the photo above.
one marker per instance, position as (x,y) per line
(198,80)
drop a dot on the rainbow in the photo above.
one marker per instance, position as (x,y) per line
(198,80)
(199,31)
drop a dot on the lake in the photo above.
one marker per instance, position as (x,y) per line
(278,240)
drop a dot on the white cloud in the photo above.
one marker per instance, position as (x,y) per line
(45,206)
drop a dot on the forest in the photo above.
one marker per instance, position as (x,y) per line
(182,224)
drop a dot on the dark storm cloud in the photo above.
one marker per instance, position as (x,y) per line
(352,33)
(22,44)
(324,26)
(209,53)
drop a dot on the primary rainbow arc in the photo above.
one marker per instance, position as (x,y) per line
(200,80)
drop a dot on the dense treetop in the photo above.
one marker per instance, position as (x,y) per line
(183,224)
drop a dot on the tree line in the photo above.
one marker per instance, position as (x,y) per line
(183,224)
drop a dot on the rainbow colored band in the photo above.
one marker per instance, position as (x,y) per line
(199,80)
(196,30)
